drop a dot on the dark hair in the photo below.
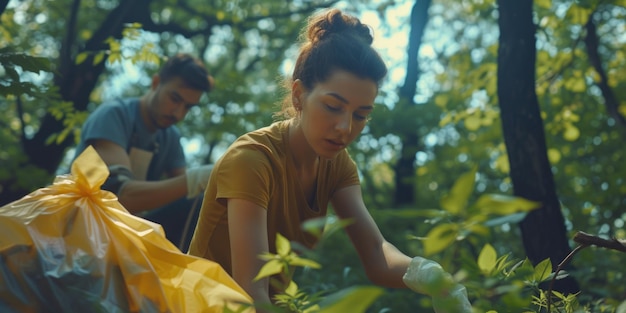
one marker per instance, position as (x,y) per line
(190,69)
(334,40)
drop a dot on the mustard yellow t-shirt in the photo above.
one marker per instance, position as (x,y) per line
(258,167)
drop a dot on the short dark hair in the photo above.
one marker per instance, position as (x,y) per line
(333,41)
(190,69)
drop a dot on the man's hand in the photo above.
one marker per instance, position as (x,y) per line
(428,277)
(197,179)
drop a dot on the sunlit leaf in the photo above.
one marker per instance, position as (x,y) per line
(504,204)
(292,288)
(441,100)
(81,57)
(577,14)
(456,200)
(554,155)
(472,122)
(270,268)
(439,238)
(542,270)
(283,247)
(544,4)
(98,58)
(502,163)
(353,299)
(297,261)
(571,132)
(487,259)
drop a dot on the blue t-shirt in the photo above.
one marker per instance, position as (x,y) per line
(120,122)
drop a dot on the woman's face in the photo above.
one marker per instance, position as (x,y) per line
(334,112)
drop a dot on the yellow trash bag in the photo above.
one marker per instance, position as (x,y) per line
(71,247)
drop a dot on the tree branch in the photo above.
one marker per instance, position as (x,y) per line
(610,100)
(586,239)
(65,55)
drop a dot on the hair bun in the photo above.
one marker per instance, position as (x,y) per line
(334,22)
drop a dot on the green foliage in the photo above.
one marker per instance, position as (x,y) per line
(459,219)
(14,63)
(283,260)
(292,299)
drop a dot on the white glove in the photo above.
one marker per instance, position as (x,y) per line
(428,277)
(197,179)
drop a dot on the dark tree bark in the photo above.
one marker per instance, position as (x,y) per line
(543,230)
(592,43)
(3,5)
(405,167)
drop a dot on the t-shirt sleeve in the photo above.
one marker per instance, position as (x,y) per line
(245,173)
(108,122)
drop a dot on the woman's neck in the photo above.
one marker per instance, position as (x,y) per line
(304,157)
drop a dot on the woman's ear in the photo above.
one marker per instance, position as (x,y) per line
(297,93)
(155,81)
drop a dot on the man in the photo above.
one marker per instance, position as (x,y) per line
(139,142)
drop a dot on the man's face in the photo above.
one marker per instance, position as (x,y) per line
(171,101)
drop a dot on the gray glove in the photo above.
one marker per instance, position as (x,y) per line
(198,179)
(428,277)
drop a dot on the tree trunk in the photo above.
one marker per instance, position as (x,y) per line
(405,167)
(543,230)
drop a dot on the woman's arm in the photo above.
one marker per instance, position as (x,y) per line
(383,262)
(247,223)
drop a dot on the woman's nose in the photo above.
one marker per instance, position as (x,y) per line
(344,124)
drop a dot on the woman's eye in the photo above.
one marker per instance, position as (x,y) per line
(332,108)
(360,117)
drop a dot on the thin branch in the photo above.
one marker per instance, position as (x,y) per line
(585,240)
(558,269)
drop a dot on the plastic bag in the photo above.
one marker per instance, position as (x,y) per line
(71,247)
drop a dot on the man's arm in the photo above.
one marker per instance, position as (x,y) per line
(135,195)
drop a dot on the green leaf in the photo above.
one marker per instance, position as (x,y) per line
(270,268)
(456,200)
(487,259)
(81,57)
(98,58)
(439,238)
(578,15)
(511,219)
(542,270)
(298,261)
(571,132)
(504,204)
(544,4)
(283,247)
(292,288)
(353,300)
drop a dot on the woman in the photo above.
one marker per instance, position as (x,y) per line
(273,179)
